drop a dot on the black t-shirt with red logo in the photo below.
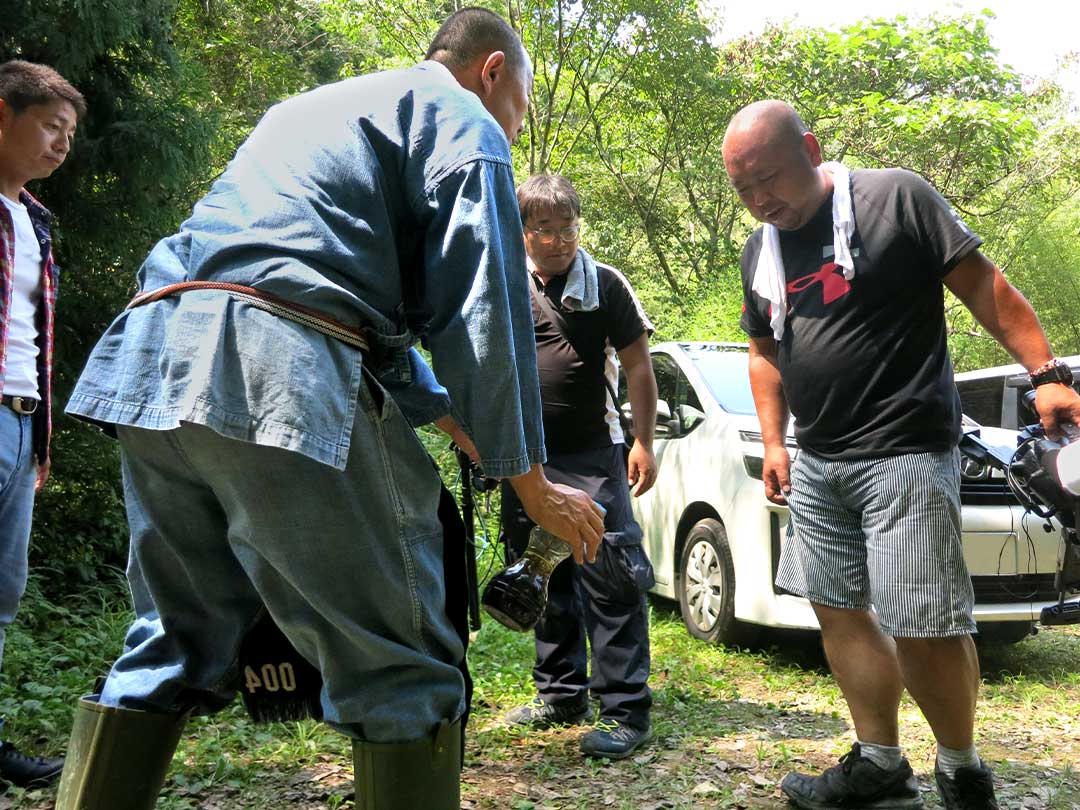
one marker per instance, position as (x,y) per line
(865,364)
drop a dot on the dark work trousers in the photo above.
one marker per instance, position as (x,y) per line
(603,601)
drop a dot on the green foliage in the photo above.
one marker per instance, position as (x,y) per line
(54,652)
(138,157)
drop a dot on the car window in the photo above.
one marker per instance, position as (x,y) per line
(981,400)
(726,374)
(667,396)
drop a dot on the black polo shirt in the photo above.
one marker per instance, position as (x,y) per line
(577,410)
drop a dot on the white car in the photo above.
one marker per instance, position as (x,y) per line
(714,539)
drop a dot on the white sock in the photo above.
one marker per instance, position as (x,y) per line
(886,757)
(949,759)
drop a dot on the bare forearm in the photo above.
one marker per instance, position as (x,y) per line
(641,386)
(769,399)
(1001,310)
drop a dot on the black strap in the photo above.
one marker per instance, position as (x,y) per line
(455,574)
(559,322)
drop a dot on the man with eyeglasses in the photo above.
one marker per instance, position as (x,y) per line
(585,314)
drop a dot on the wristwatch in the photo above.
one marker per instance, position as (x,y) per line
(1053,371)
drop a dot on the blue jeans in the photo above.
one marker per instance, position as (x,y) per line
(18,473)
(349,564)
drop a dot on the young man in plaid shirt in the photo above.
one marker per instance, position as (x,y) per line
(38,114)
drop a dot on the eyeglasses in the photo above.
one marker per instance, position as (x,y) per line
(566,234)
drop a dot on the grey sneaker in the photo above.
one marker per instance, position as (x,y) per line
(614,740)
(856,782)
(538,713)
(971,789)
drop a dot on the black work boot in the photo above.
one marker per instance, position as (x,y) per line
(972,788)
(117,758)
(422,774)
(26,771)
(856,782)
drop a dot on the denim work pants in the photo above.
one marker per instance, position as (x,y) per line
(348,563)
(18,474)
(603,601)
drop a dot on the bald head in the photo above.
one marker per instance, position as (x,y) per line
(774,163)
(771,120)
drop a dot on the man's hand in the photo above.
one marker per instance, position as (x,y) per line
(42,475)
(776,472)
(452,429)
(1057,403)
(640,469)
(564,511)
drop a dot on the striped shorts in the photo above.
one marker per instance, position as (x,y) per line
(882,533)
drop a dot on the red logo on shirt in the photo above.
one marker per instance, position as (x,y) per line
(833,284)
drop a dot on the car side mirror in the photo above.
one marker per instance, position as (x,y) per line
(691,417)
(666,425)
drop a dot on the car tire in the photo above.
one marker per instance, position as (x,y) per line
(1004,632)
(707,587)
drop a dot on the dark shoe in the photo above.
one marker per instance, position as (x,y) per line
(23,771)
(614,740)
(971,789)
(541,714)
(855,783)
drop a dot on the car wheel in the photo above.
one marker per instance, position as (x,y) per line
(707,586)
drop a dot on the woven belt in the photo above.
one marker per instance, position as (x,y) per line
(268,303)
(22,405)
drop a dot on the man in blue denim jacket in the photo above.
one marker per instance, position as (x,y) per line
(269,466)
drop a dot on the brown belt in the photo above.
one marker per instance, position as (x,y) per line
(267,302)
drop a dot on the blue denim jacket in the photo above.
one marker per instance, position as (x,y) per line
(384,201)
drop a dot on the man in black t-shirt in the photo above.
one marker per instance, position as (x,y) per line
(843,302)
(585,314)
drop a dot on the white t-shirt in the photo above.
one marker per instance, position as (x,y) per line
(20,364)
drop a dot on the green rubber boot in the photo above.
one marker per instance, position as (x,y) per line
(422,774)
(117,758)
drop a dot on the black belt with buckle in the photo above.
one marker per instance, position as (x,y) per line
(23,405)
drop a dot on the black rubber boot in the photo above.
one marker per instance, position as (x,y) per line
(117,758)
(418,775)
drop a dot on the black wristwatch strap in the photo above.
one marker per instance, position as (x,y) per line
(1056,372)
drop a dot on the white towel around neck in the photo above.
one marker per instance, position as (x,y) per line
(581,292)
(769,280)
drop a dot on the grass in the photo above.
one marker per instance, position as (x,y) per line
(729,724)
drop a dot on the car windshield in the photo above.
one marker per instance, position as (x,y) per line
(726,375)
